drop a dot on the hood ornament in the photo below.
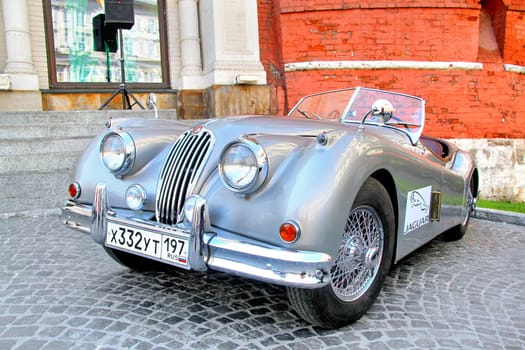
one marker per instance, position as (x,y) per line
(197,129)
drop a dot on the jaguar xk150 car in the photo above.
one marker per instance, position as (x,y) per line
(321,201)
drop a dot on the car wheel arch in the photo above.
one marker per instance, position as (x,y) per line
(387,180)
(326,307)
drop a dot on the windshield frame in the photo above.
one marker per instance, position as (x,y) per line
(412,125)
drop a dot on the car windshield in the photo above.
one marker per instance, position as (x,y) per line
(365,106)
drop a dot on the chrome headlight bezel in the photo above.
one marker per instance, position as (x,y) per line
(123,155)
(247,180)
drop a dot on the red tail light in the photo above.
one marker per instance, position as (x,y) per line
(74,190)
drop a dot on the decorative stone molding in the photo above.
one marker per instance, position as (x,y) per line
(514,69)
(371,65)
(5,82)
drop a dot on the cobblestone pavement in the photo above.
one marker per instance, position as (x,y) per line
(59,290)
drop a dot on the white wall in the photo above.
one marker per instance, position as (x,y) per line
(501,166)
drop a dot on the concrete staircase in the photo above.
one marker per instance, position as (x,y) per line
(39,151)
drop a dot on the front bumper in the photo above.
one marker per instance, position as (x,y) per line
(227,252)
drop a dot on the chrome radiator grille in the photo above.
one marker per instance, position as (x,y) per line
(179,174)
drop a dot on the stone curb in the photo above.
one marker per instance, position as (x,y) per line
(479,213)
(499,216)
(31,213)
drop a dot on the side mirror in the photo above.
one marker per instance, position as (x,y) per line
(383,109)
(151,103)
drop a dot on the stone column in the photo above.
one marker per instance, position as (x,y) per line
(221,73)
(191,69)
(230,42)
(19,68)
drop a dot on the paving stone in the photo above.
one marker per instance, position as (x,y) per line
(59,290)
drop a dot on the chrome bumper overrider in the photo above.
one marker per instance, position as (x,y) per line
(233,254)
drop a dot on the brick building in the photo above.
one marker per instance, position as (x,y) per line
(466,58)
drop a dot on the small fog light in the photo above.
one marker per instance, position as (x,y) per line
(289,232)
(135,197)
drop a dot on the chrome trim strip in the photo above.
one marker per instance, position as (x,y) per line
(198,250)
(98,213)
(267,263)
(77,216)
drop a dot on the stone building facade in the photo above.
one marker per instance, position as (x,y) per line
(466,58)
(210,52)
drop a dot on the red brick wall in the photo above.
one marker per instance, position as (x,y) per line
(460,104)
(316,5)
(487,103)
(270,50)
(514,51)
(381,34)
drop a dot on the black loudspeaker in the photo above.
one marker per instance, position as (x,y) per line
(119,13)
(103,34)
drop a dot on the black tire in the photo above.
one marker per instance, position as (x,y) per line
(132,261)
(456,233)
(340,303)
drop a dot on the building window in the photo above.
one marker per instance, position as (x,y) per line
(74,62)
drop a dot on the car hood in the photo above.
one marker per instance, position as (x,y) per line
(235,126)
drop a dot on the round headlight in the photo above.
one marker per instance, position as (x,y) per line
(243,166)
(117,151)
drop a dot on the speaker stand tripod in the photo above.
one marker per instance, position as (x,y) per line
(122,90)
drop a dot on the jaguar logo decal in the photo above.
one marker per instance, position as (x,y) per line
(417,209)
(417,201)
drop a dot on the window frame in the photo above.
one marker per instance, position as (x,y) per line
(51,58)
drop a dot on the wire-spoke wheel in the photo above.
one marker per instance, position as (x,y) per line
(359,257)
(360,266)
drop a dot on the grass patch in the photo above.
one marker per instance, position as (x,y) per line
(501,205)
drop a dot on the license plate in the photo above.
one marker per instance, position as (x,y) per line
(170,247)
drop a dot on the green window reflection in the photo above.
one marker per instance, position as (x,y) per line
(75,55)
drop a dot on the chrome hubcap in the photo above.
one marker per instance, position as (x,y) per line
(359,256)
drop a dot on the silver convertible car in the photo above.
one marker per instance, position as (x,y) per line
(322,201)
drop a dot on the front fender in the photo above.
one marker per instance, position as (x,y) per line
(152,140)
(311,184)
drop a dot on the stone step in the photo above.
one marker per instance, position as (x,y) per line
(61,117)
(74,124)
(39,151)
(38,162)
(58,118)
(43,146)
(42,131)
(32,191)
